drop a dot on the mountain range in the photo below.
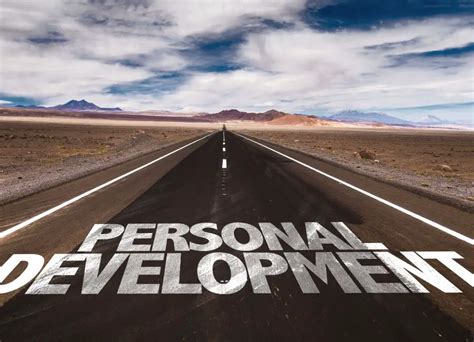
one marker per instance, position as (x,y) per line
(75,105)
(273,116)
(234,114)
(355,116)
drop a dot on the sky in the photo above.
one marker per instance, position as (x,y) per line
(408,58)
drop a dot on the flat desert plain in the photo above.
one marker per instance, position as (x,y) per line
(37,154)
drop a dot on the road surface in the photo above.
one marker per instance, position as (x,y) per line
(247,181)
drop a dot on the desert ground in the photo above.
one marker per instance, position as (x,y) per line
(437,163)
(35,155)
(39,152)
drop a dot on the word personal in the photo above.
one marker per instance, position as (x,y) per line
(175,258)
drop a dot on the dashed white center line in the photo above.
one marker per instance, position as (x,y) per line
(224,163)
(223,149)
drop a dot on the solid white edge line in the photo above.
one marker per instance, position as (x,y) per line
(379,199)
(224,163)
(87,193)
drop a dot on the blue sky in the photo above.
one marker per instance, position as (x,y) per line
(408,58)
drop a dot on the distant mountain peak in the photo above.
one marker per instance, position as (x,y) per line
(77,105)
(431,119)
(357,116)
(274,112)
(82,102)
(80,105)
(74,105)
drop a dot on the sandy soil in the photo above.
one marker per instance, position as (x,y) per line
(36,155)
(439,164)
(46,151)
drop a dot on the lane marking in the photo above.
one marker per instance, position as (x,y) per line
(223,149)
(224,163)
(375,197)
(91,191)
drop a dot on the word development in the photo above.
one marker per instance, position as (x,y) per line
(175,258)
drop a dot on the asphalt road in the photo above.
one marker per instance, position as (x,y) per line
(256,185)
